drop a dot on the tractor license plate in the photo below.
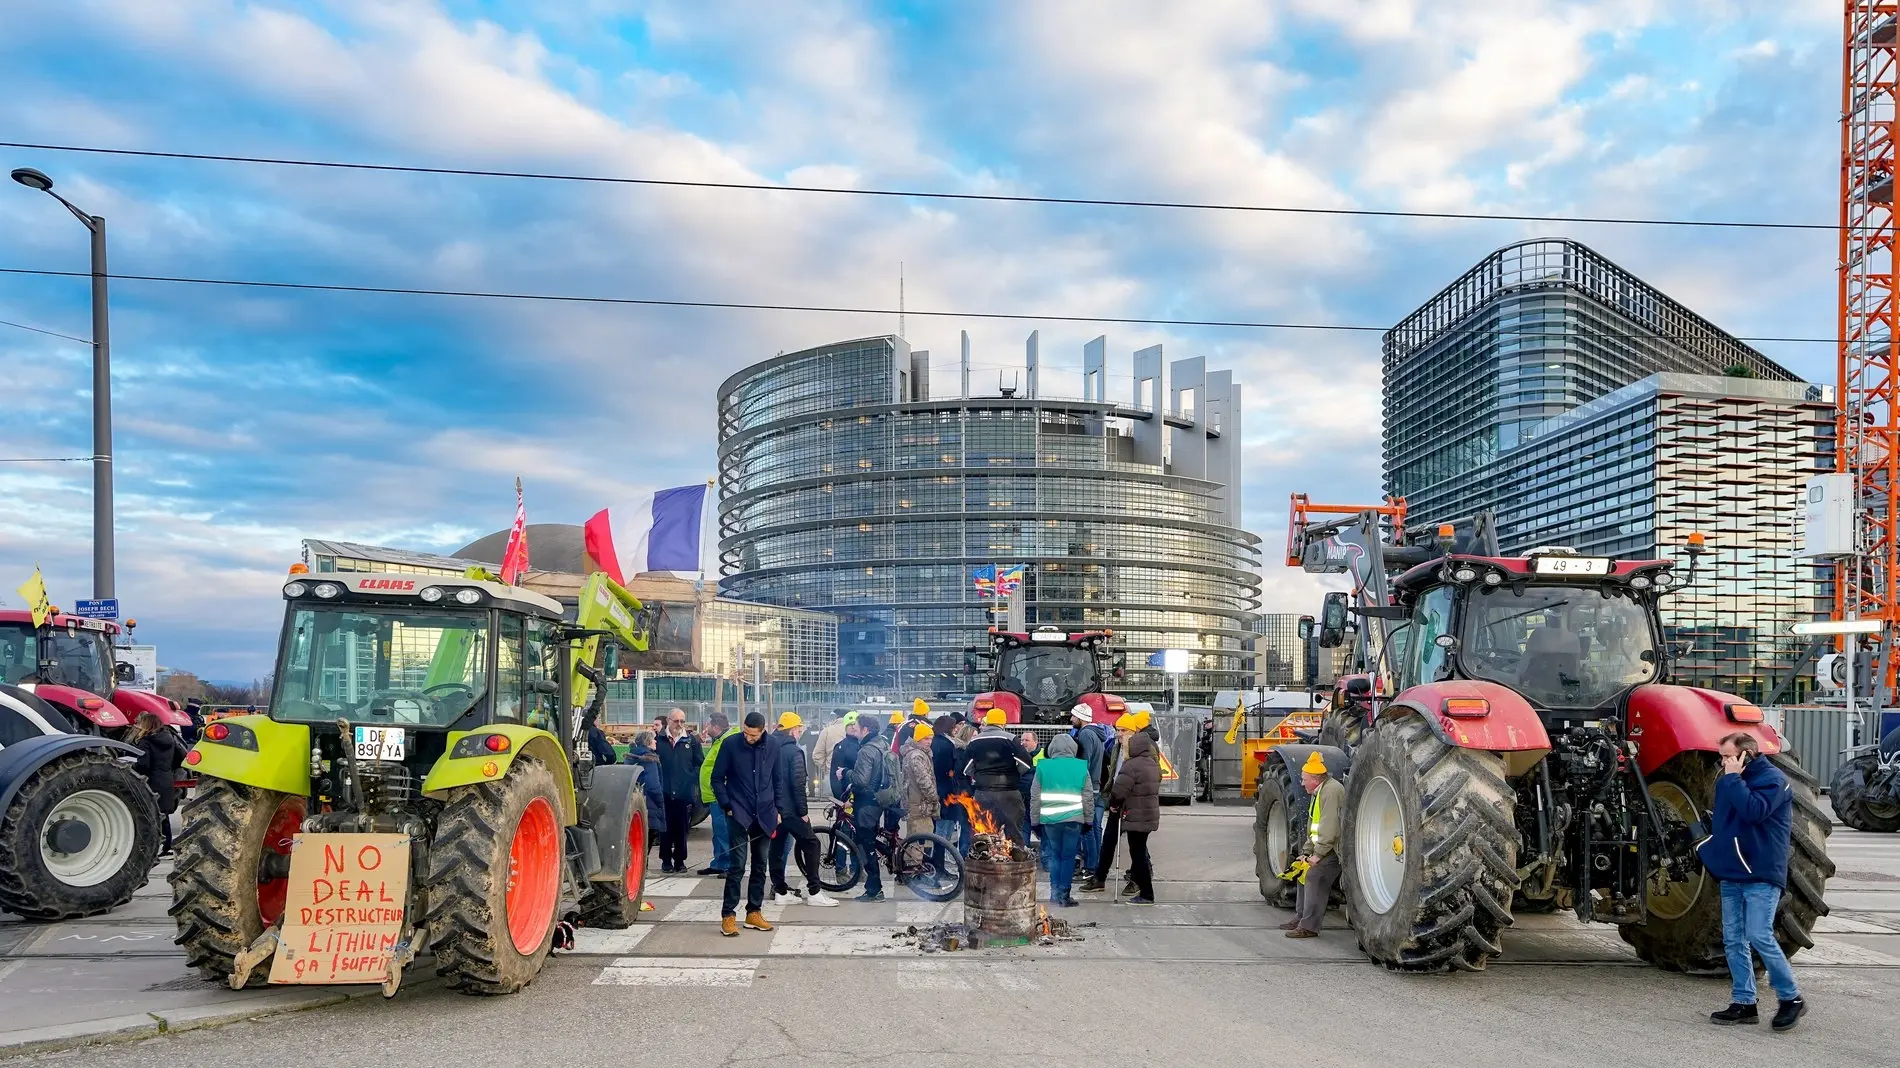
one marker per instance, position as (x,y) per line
(379,743)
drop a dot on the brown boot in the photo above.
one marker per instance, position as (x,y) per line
(1301,932)
(757,921)
(729,926)
(1289,925)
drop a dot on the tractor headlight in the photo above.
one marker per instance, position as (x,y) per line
(1465,574)
(1665,578)
(1641,582)
(327,590)
(431,594)
(468,595)
(1493,578)
(295,589)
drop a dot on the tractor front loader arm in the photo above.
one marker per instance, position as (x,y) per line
(607,610)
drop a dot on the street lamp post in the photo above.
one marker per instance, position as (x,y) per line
(102,548)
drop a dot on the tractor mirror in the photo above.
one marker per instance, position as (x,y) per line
(1118,666)
(1332,625)
(1306,628)
(124,672)
(548,686)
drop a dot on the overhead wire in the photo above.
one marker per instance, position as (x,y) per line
(923,194)
(658,302)
(40,330)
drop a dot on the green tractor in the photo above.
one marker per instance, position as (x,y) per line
(451,711)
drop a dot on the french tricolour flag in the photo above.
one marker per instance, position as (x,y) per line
(657,533)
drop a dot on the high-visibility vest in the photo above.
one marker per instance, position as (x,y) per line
(1061,780)
(1312,819)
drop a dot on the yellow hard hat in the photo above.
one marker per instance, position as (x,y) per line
(923,731)
(1315,764)
(788,720)
(995,717)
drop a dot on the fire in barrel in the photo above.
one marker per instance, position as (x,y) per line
(999,878)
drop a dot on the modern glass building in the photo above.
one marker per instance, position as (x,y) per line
(1587,409)
(846,487)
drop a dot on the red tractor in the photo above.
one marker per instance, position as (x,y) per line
(1038,676)
(68,663)
(1517,747)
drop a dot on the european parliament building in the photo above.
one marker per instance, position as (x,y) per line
(1588,409)
(846,485)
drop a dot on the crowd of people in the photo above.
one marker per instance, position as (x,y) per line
(1068,794)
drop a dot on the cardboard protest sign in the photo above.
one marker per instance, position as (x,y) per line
(344,918)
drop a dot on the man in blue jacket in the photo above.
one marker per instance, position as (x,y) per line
(745,786)
(1748,853)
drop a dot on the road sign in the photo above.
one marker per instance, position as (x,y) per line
(102,609)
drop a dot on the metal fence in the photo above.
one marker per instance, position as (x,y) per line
(1816,735)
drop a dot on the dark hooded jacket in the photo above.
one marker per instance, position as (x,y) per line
(1137,789)
(161,754)
(648,762)
(1753,826)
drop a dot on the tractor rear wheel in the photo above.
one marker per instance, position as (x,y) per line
(232,873)
(1684,931)
(494,880)
(78,838)
(1848,792)
(1429,848)
(616,905)
(1279,820)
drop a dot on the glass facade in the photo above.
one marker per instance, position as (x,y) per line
(844,488)
(1617,424)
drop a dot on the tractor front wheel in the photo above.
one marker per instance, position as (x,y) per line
(494,882)
(1430,850)
(1684,930)
(1855,804)
(232,873)
(78,838)
(1280,812)
(616,905)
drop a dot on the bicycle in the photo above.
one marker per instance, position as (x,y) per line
(927,864)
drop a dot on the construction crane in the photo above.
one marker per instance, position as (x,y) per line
(1867,438)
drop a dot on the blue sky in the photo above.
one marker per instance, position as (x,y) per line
(247,420)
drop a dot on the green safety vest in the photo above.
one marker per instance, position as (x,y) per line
(1312,819)
(1061,780)
(705,770)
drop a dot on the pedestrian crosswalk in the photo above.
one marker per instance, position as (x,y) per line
(679,971)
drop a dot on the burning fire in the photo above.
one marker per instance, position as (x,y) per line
(982,820)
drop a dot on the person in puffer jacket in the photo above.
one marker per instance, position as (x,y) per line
(1748,854)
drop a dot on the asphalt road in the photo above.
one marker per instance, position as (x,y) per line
(1201,979)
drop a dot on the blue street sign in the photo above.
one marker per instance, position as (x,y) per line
(104,609)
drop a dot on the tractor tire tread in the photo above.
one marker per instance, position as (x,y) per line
(31,892)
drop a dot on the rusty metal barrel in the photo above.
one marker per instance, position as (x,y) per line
(999,896)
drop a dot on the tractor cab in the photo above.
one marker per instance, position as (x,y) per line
(1038,676)
(1570,633)
(410,665)
(68,662)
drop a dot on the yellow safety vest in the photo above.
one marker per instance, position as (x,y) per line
(1312,820)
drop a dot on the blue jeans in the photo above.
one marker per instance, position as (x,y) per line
(1092,837)
(1748,922)
(957,820)
(1060,841)
(722,839)
(946,828)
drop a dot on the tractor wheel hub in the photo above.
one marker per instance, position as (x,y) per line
(68,836)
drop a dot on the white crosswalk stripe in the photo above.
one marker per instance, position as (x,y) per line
(706,910)
(590,942)
(944,975)
(673,886)
(679,971)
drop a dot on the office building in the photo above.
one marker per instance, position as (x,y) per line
(847,486)
(1587,409)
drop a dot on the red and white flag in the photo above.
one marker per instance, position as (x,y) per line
(514,560)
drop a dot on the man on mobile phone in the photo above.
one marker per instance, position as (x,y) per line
(1748,854)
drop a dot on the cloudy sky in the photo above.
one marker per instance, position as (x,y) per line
(248,419)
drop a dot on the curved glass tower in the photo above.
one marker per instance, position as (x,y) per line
(844,487)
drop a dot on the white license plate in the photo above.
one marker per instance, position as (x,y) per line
(379,743)
(1571,565)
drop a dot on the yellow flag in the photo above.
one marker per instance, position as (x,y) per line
(34,590)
